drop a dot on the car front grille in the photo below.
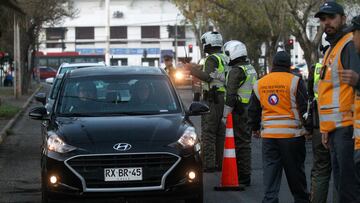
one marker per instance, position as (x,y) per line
(91,168)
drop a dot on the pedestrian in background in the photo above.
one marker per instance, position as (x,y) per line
(169,67)
(212,128)
(321,170)
(239,82)
(336,100)
(279,103)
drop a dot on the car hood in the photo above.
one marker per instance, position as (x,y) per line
(100,134)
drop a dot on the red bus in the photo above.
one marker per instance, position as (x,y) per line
(55,59)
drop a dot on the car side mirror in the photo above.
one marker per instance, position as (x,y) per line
(197,109)
(41,97)
(38,113)
(49,81)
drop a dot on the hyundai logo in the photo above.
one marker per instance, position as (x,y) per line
(122,146)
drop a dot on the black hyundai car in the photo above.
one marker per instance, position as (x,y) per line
(119,132)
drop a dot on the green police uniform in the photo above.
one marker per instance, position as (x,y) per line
(239,83)
(212,129)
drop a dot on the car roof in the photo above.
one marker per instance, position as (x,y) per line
(116,70)
(82,64)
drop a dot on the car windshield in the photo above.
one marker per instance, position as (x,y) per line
(117,95)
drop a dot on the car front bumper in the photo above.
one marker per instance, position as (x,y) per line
(76,178)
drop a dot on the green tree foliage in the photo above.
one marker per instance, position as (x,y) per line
(270,23)
(37,14)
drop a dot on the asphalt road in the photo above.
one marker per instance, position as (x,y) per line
(20,167)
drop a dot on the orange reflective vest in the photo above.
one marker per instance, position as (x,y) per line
(277,95)
(357,121)
(335,98)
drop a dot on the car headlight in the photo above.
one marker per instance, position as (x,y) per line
(189,138)
(56,144)
(179,75)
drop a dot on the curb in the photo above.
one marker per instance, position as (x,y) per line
(3,132)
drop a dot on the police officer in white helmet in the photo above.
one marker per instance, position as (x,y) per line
(212,75)
(239,82)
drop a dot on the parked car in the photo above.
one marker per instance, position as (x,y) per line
(119,132)
(64,67)
(49,101)
(303,69)
(296,71)
(71,66)
(46,72)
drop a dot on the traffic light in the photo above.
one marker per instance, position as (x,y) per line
(190,48)
(291,43)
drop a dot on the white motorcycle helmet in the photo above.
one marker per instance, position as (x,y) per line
(235,49)
(213,39)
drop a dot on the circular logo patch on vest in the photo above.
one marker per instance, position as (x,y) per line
(273,99)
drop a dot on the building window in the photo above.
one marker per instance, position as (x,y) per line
(55,33)
(118,32)
(84,32)
(150,32)
(119,62)
(54,45)
(180,34)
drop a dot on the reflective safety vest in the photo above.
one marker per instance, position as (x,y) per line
(357,121)
(246,85)
(277,95)
(221,69)
(317,79)
(336,99)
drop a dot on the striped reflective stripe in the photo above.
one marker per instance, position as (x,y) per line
(215,82)
(229,132)
(246,88)
(293,90)
(282,122)
(357,132)
(256,90)
(279,116)
(294,131)
(229,153)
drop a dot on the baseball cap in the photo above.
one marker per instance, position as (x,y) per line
(355,23)
(330,8)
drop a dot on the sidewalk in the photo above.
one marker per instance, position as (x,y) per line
(7,98)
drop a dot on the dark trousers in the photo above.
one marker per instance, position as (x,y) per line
(242,146)
(213,134)
(321,170)
(287,154)
(357,164)
(342,153)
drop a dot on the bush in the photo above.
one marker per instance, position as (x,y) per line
(8,111)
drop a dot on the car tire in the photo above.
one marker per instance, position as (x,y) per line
(199,198)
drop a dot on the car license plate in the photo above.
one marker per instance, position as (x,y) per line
(123,174)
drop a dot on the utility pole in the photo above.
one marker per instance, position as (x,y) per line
(176,41)
(107,32)
(16,61)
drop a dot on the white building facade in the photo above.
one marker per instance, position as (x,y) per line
(141,32)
